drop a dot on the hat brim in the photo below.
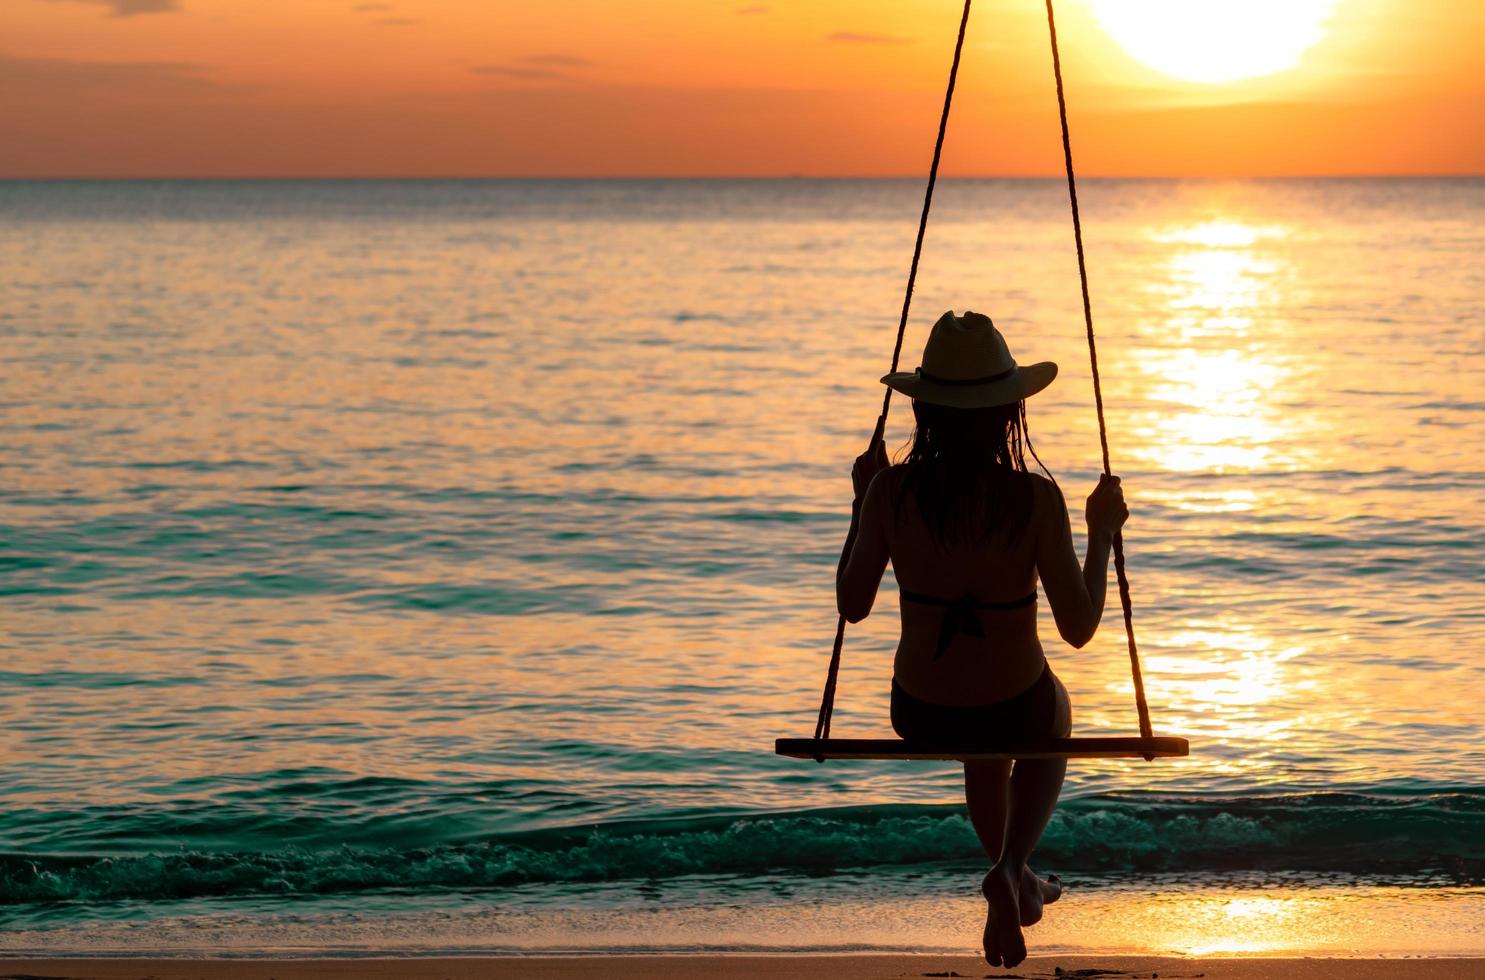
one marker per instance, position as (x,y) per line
(1025,382)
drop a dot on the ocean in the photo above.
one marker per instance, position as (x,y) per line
(401,566)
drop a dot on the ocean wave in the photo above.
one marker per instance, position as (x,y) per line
(1399,835)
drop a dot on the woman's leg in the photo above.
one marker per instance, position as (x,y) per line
(1032,797)
(986,785)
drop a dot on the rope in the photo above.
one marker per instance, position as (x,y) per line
(827,701)
(1103,435)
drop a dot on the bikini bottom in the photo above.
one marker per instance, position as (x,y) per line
(1032,714)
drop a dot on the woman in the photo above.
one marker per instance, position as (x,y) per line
(969,531)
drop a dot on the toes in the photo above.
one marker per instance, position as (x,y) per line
(992,955)
(1014,953)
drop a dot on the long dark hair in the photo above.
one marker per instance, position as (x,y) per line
(966,470)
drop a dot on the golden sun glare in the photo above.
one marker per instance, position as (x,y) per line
(1215,40)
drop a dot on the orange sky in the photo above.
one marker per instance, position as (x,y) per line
(695,87)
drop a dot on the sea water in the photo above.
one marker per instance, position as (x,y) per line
(398,566)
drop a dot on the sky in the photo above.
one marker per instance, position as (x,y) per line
(575,88)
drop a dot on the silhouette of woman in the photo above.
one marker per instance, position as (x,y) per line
(969,531)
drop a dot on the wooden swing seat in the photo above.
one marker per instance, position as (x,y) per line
(1155,746)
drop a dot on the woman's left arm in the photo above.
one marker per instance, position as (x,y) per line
(863,559)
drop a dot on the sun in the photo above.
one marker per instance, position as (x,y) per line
(1215,40)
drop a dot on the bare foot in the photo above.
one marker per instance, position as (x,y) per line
(1035,893)
(1004,944)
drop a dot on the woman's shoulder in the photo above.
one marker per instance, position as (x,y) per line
(1042,484)
(887,484)
(891,478)
(885,493)
(1046,494)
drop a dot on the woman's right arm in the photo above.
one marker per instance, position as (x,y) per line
(1077,595)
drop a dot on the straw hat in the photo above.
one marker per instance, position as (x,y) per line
(966,364)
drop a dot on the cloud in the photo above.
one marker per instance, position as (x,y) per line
(128,8)
(557,60)
(515,71)
(60,78)
(756,8)
(856,37)
(536,66)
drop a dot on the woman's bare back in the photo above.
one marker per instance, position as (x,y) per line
(972,669)
(1008,658)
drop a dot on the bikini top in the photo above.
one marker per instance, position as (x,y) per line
(959,614)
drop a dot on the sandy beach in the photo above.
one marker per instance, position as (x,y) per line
(865,967)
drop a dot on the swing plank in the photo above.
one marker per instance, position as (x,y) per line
(1156,746)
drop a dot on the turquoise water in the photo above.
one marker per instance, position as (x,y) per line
(376,553)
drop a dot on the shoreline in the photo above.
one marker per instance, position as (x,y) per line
(783,966)
(847,915)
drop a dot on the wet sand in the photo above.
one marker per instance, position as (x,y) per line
(713,967)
